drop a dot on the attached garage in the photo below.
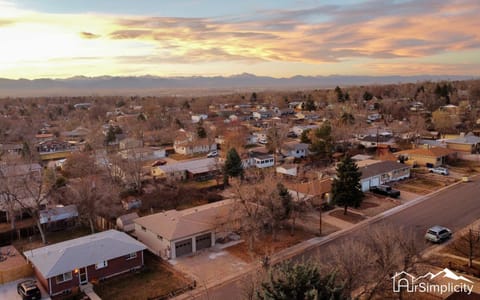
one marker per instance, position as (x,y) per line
(370,182)
(183,247)
(203,241)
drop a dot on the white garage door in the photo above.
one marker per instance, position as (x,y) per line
(375,181)
(365,185)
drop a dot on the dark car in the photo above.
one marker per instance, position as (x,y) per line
(385,190)
(29,290)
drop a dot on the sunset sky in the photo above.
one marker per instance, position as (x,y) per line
(279,38)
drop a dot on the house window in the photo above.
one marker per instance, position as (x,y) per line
(132,255)
(64,277)
(101,265)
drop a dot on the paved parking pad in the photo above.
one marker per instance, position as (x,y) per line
(9,290)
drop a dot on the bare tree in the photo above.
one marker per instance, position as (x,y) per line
(467,245)
(93,196)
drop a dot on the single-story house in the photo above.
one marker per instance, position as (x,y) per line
(318,188)
(125,222)
(429,157)
(59,217)
(261,160)
(194,147)
(176,233)
(143,154)
(298,130)
(382,172)
(194,169)
(469,143)
(61,268)
(295,149)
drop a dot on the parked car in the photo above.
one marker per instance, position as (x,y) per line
(385,190)
(213,153)
(439,170)
(29,290)
(438,234)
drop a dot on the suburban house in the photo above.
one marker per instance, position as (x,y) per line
(185,143)
(59,217)
(373,140)
(144,153)
(79,134)
(469,143)
(174,233)
(295,149)
(197,169)
(54,149)
(125,222)
(61,268)
(259,160)
(129,143)
(375,173)
(429,157)
(298,130)
(318,190)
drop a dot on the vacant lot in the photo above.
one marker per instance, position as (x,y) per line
(424,183)
(374,204)
(156,279)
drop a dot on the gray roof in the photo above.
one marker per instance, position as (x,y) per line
(467,139)
(67,256)
(53,214)
(194,166)
(381,168)
(174,224)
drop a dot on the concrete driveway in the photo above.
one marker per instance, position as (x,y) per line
(209,265)
(9,290)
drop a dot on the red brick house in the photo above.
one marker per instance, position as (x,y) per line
(61,268)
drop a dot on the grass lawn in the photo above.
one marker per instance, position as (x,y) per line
(156,279)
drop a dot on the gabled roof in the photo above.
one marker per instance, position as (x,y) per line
(194,166)
(174,224)
(433,152)
(381,168)
(67,256)
(295,146)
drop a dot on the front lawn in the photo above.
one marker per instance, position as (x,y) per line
(154,280)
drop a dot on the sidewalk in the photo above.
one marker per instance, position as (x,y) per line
(309,244)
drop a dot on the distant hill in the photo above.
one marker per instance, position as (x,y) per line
(152,85)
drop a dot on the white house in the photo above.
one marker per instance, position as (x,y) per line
(185,143)
(198,118)
(295,149)
(375,173)
(298,130)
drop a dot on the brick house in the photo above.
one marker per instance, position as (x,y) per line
(61,268)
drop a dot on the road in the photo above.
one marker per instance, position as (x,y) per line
(455,208)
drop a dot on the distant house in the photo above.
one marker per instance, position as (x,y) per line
(295,149)
(381,172)
(316,190)
(187,144)
(174,233)
(54,149)
(260,160)
(130,143)
(125,222)
(61,268)
(469,143)
(144,153)
(429,157)
(189,169)
(298,130)
(198,118)
(79,134)
(59,217)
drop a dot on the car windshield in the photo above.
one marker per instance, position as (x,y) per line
(443,231)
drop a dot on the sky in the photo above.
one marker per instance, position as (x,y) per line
(278,38)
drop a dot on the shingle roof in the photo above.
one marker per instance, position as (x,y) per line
(381,168)
(67,256)
(433,151)
(174,224)
(195,166)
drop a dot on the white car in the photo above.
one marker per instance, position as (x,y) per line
(439,170)
(213,153)
(438,234)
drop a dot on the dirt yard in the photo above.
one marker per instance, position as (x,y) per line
(350,217)
(424,183)
(373,204)
(264,245)
(156,279)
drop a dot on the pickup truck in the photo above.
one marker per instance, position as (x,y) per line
(385,190)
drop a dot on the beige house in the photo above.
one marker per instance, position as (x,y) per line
(176,233)
(187,144)
(431,157)
(467,143)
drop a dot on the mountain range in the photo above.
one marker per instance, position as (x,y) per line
(153,85)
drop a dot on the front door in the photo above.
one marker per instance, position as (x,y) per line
(83,275)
